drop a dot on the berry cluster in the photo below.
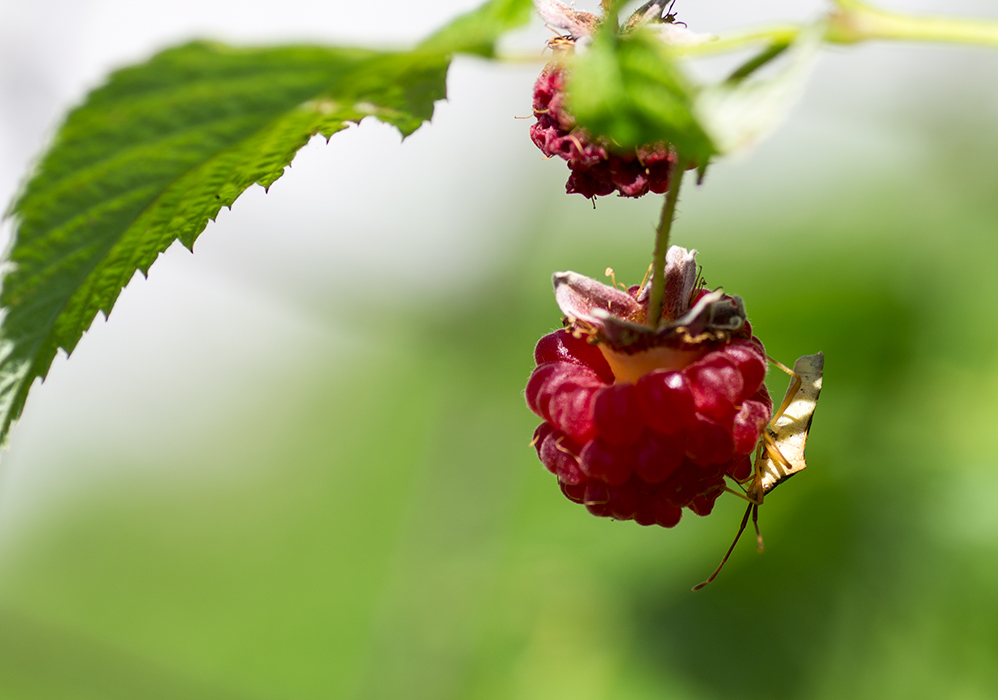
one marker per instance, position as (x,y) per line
(597,168)
(638,429)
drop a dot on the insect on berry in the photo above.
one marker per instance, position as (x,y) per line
(780,454)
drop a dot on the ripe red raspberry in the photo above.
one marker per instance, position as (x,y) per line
(598,168)
(640,422)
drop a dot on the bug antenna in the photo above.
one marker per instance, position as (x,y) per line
(727,554)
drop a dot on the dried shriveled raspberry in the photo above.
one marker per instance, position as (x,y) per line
(640,422)
(597,168)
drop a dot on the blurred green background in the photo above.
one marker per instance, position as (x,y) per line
(266,481)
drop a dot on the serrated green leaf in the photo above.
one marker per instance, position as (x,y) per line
(631,90)
(153,155)
(477,31)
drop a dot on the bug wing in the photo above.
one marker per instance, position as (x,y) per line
(789,432)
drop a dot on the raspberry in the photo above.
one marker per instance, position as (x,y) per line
(658,457)
(666,400)
(617,414)
(641,422)
(606,462)
(598,168)
(559,454)
(565,347)
(716,385)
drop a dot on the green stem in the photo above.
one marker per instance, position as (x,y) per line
(852,22)
(856,22)
(770,53)
(662,243)
(610,8)
(851,4)
(783,33)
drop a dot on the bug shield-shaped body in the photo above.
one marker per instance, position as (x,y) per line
(782,453)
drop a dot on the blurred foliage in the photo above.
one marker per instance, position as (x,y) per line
(632,90)
(395,536)
(477,31)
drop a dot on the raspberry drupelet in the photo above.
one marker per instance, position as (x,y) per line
(642,421)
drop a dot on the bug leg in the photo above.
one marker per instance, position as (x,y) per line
(758,535)
(727,554)
(754,492)
(773,451)
(741,495)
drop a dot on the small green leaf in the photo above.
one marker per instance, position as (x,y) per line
(477,31)
(631,90)
(153,155)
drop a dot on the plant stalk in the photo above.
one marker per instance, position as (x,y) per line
(783,33)
(610,9)
(676,173)
(852,22)
(856,22)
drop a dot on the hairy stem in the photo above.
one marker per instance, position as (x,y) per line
(610,8)
(852,22)
(855,22)
(851,4)
(676,173)
(783,33)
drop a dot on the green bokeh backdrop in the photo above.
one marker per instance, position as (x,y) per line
(393,535)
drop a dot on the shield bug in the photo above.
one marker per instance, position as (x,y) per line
(780,453)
